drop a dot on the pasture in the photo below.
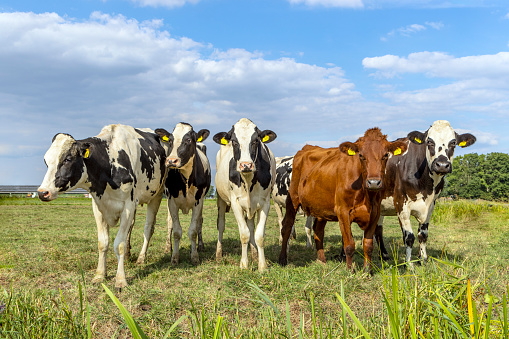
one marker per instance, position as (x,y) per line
(47,248)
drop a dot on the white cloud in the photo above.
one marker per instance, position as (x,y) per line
(164,3)
(330,3)
(409,30)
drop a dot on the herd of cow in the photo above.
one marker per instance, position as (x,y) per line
(359,182)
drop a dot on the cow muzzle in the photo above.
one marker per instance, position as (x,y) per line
(246,166)
(173,162)
(441,165)
(374,184)
(45,195)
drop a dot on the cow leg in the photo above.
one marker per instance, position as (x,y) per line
(177,231)
(346,233)
(288,222)
(380,240)
(252,243)
(103,237)
(309,230)
(221,211)
(260,236)
(279,213)
(243,231)
(201,246)
(423,235)
(319,229)
(152,208)
(193,231)
(408,234)
(126,219)
(169,243)
(128,246)
(367,245)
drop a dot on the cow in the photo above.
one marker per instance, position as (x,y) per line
(246,171)
(187,183)
(342,184)
(121,167)
(280,192)
(415,179)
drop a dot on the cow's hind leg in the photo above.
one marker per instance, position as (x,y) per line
(221,211)
(260,237)
(193,232)
(152,208)
(309,231)
(252,243)
(169,242)
(380,239)
(201,246)
(103,238)
(319,229)
(177,231)
(279,213)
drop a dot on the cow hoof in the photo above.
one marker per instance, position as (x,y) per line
(201,247)
(120,283)
(175,259)
(141,260)
(283,261)
(243,265)
(385,256)
(263,268)
(98,279)
(219,255)
(195,260)
(168,249)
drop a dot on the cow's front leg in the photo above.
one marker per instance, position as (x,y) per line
(309,231)
(120,244)
(169,243)
(221,211)
(177,231)
(103,237)
(319,230)
(193,231)
(346,233)
(279,213)
(260,236)
(367,245)
(243,231)
(252,242)
(408,234)
(152,208)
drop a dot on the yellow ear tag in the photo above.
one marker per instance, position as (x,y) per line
(418,140)
(87,153)
(463,144)
(166,139)
(199,139)
(265,138)
(223,141)
(397,151)
(351,152)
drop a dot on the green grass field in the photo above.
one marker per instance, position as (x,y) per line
(43,246)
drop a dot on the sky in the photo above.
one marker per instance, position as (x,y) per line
(313,71)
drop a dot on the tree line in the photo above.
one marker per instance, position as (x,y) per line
(479,176)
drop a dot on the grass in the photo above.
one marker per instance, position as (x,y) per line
(45,248)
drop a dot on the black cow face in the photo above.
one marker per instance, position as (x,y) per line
(65,166)
(181,144)
(246,140)
(440,141)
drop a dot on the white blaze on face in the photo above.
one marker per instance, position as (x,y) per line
(178,134)
(244,130)
(440,134)
(60,146)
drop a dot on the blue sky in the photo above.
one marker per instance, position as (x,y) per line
(313,71)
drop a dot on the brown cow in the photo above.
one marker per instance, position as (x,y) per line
(340,184)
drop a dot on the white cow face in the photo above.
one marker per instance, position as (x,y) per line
(64,159)
(245,139)
(440,141)
(181,144)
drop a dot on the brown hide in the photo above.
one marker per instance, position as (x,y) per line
(331,184)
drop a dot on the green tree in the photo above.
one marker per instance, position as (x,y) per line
(495,172)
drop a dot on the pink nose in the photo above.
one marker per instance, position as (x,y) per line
(246,166)
(172,162)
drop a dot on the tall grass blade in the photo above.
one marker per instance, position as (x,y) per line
(174,326)
(488,319)
(263,296)
(288,321)
(219,324)
(343,312)
(133,326)
(451,317)
(313,316)
(470,310)
(505,325)
(89,328)
(354,318)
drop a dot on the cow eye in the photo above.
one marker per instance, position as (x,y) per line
(234,143)
(362,157)
(385,156)
(453,143)
(431,142)
(68,159)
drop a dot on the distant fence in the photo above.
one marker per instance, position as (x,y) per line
(29,190)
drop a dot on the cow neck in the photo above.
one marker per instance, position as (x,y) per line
(188,168)
(426,179)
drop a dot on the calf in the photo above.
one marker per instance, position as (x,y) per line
(415,180)
(121,167)
(280,192)
(187,182)
(340,184)
(245,174)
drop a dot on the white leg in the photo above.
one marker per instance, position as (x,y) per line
(169,246)
(309,231)
(423,234)
(408,234)
(260,237)
(193,231)
(252,243)
(221,211)
(243,231)
(279,213)
(177,231)
(103,237)
(120,243)
(152,208)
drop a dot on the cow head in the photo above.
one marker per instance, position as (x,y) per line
(373,151)
(181,144)
(440,141)
(245,139)
(66,169)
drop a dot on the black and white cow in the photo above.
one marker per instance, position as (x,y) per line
(280,192)
(187,182)
(121,167)
(415,179)
(245,174)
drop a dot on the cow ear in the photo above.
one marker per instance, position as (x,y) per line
(202,135)
(465,140)
(349,148)
(56,135)
(267,136)
(85,150)
(163,134)
(398,147)
(221,138)
(417,137)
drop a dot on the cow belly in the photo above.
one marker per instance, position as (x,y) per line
(387,207)
(186,203)
(419,208)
